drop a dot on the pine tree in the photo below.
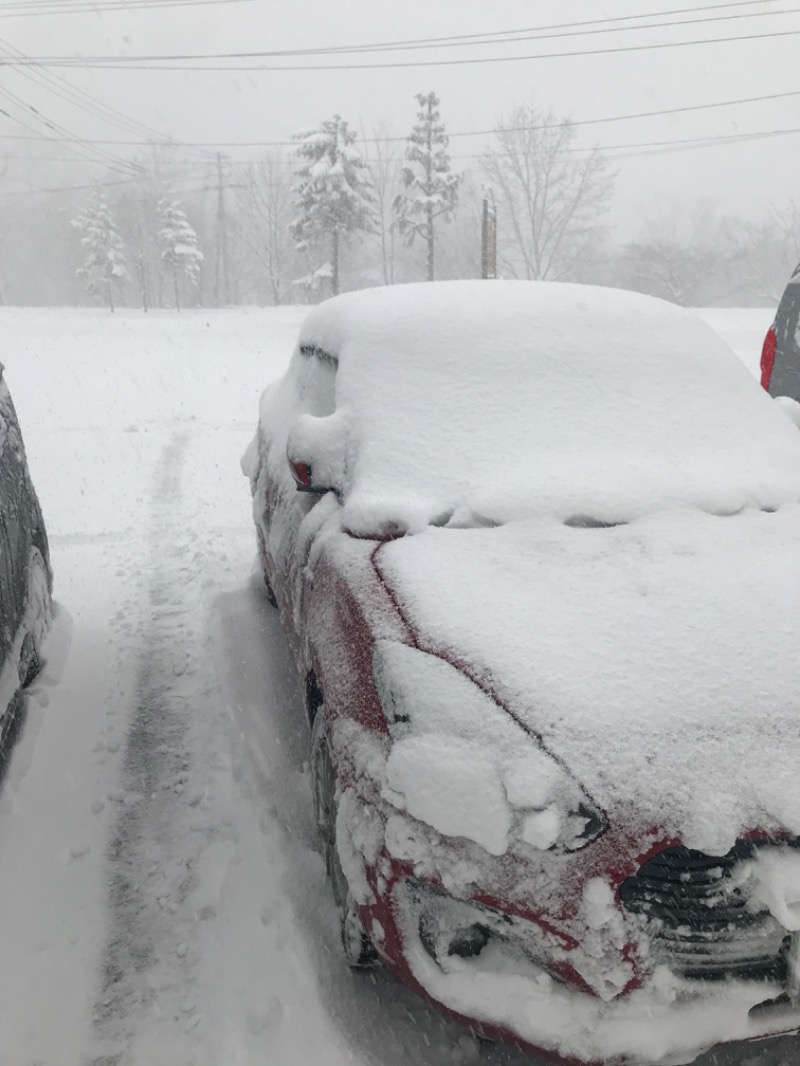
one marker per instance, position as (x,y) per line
(431,190)
(179,248)
(105,263)
(333,192)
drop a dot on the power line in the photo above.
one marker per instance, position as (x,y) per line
(649,148)
(68,188)
(58,85)
(54,7)
(67,141)
(474,37)
(610,24)
(511,37)
(61,87)
(681,142)
(676,143)
(98,153)
(460,133)
(108,63)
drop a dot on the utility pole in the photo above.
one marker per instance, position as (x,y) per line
(489,236)
(141,256)
(222,276)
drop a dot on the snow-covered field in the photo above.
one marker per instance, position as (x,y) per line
(161,901)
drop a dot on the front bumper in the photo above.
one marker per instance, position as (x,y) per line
(480,967)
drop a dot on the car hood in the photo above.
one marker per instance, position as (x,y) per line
(660,659)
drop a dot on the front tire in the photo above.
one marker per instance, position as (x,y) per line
(356,944)
(37,619)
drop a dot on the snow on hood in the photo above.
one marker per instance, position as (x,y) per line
(660,660)
(507,399)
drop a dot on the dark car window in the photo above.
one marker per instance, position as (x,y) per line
(785,377)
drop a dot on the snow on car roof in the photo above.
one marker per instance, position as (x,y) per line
(463,400)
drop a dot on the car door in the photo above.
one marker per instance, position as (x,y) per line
(287,508)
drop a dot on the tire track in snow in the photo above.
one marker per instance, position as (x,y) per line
(148,958)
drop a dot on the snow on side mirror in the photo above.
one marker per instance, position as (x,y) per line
(316,451)
(790,407)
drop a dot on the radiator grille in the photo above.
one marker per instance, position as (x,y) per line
(700,922)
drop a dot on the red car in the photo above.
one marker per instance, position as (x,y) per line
(536,549)
(780,352)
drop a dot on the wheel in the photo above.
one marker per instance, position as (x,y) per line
(30,665)
(357,946)
(269,592)
(37,618)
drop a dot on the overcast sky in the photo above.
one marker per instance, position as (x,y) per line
(269,105)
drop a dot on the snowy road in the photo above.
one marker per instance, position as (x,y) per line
(162,902)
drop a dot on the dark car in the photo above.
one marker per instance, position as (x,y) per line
(542,585)
(26,578)
(780,354)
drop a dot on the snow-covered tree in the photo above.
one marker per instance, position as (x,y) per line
(179,250)
(105,262)
(333,192)
(430,188)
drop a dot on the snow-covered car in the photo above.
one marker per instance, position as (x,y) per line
(541,580)
(780,353)
(26,579)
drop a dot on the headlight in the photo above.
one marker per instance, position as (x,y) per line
(461,764)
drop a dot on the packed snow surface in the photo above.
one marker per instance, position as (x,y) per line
(468,400)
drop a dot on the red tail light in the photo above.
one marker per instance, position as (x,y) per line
(301,472)
(768,350)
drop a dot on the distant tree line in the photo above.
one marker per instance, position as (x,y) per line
(344,209)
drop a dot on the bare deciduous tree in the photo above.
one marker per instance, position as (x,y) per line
(264,215)
(768,250)
(551,198)
(683,256)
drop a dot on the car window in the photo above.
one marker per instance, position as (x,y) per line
(785,377)
(318,382)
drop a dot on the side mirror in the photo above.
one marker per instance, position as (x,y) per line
(316,450)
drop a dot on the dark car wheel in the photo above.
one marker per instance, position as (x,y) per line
(38,615)
(30,665)
(358,949)
(269,592)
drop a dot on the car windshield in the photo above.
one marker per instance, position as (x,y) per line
(544,399)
